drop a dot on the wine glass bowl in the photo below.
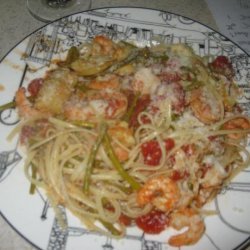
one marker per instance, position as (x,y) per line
(50,10)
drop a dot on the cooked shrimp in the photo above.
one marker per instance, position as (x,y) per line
(107,82)
(106,104)
(161,191)
(238,124)
(105,45)
(186,218)
(145,81)
(213,177)
(215,172)
(123,134)
(206,107)
(204,196)
(25,108)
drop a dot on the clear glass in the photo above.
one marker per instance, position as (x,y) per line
(50,10)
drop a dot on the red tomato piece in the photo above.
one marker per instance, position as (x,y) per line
(222,65)
(169,144)
(170,77)
(212,137)
(125,220)
(141,105)
(153,223)
(188,149)
(34,86)
(151,151)
(145,119)
(178,175)
(221,62)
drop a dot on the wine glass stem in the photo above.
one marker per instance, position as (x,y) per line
(57,3)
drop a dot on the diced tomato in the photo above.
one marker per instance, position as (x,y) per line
(153,223)
(212,137)
(154,109)
(125,220)
(151,151)
(169,144)
(221,62)
(111,109)
(178,175)
(170,77)
(145,119)
(141,105)
(222,65)
(34,86)
(188,149)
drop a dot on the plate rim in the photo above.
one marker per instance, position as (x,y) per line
(243,245)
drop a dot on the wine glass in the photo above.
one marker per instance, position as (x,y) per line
(49,10)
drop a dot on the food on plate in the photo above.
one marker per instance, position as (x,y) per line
(122,135)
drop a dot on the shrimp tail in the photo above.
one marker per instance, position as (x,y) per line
(24,106)
(186,218)
(22,103)
(161,191)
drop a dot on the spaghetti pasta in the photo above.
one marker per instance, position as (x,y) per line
(146,134)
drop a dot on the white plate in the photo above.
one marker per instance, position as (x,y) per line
(31,216)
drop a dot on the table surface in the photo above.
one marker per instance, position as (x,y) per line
(16,23)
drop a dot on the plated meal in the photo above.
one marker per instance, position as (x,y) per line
(127,136)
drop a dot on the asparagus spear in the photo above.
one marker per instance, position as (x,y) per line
(92,156)
(118,166)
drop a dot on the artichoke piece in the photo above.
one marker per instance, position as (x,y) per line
(123,54)
(86,68)
(125,70)
(52,96)
(73,55)
(55,90)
